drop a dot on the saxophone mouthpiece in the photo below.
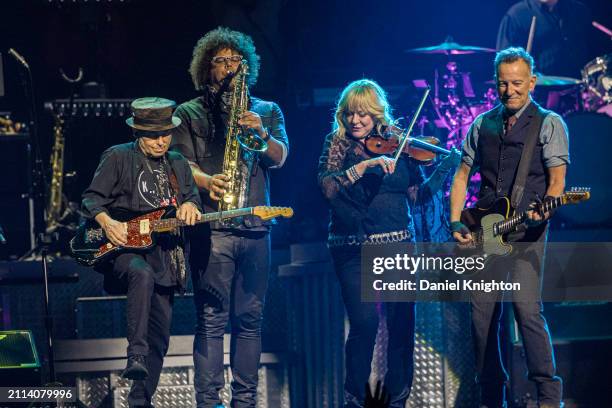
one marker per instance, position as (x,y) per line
(230,75)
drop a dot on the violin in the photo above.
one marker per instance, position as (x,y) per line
(396,141)
(422,148)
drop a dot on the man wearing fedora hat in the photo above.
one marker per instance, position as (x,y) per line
(231,264)
(138,177)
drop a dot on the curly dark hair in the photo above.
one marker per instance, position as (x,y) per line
(216,40)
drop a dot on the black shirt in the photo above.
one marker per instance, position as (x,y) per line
(560,44)
(126,180)
(114,185)
(201,139)
(375,203)
(153,184)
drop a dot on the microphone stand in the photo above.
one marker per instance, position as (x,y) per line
(37,192)
(37,185)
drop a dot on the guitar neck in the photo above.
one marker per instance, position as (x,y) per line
(171,223)
(509,225)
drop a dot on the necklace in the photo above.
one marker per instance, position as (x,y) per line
(161,178)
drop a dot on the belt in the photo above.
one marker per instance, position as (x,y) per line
(372,239)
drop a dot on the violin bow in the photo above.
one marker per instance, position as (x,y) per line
(404,140)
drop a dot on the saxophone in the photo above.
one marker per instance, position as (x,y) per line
(241,147)
(54,207)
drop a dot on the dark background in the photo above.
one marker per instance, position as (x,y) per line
(143,48)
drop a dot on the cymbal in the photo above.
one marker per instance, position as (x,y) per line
(450,48)
(549,80)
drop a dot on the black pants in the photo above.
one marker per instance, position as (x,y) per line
(364,320)
(232,287)
(524,268)
(149,314)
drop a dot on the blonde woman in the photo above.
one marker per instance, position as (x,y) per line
(369,199)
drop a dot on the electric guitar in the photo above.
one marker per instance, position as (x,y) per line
(490,226)
(90,245)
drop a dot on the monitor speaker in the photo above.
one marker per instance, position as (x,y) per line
(19,364)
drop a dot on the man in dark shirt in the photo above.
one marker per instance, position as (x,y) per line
(229,264)
(560,44)
(140,177)
(494,147)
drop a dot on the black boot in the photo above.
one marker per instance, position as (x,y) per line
(136,368)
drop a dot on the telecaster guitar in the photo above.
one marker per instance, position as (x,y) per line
(490,226)
(90,245)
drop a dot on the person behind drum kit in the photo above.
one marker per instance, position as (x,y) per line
(561,42)
(229,265)
(369,198)
(138,177)
(496,153)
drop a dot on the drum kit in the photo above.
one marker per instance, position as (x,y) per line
(585,103)
(455,108)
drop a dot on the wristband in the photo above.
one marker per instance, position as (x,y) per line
(458,226)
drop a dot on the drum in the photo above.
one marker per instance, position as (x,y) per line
(591,166)
(597,78)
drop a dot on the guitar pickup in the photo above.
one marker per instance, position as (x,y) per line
(144,226)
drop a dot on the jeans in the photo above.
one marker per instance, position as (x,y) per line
(487,310)
(149,315)
(230,286)
(363,321)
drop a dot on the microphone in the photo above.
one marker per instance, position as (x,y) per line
(19,58)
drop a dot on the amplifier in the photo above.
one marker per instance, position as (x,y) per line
(96,107)
(104,316)
(19,365)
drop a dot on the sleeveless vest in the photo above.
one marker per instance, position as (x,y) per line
(500,154)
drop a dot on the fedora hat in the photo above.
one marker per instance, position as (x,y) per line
(153,114)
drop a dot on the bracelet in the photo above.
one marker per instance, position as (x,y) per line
(353,174)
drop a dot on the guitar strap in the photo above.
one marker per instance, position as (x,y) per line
(173,182)
(533,133)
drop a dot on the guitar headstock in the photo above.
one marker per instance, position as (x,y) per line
(576,195)
(266,212)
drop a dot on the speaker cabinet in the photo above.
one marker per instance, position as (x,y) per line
(19,364)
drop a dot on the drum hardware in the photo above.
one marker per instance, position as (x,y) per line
(597,83)
(454,102)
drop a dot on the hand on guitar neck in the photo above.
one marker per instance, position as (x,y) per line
(535,217)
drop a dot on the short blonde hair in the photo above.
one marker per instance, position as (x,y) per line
(362,95)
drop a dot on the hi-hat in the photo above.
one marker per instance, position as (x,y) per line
(449,47)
